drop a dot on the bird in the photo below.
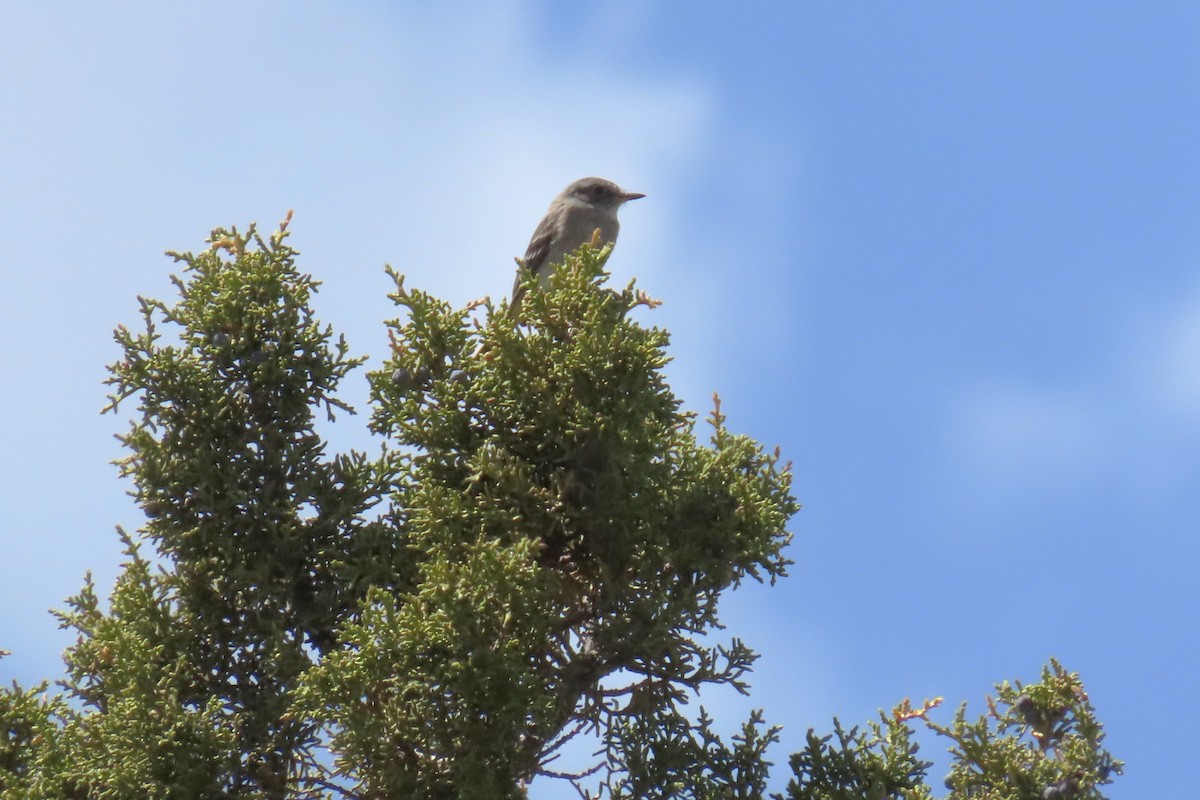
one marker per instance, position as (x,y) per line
(586,206)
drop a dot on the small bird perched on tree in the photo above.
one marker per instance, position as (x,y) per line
(586,206)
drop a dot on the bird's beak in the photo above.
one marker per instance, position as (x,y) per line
(627,196)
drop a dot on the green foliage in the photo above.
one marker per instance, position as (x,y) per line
(1037,742)
(572,539)
(667,755)
(187,679)
(535,558)
(537,550)
(875,764)
(31,750)
(146,729)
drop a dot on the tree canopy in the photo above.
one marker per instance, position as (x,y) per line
(535,555)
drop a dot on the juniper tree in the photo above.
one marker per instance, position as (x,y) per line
(1036,742)
(535,556)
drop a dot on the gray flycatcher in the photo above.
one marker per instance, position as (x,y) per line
(587,205)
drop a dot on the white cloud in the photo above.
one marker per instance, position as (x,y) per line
(491,146)
(1132,423)
(1020,433)
(1173,360)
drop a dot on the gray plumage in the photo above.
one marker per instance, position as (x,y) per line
(583,207)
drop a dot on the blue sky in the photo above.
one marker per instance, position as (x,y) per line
(947,255)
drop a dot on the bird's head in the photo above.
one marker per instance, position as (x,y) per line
(599,193)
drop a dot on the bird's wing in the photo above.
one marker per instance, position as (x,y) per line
(535,255)
(539,246)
